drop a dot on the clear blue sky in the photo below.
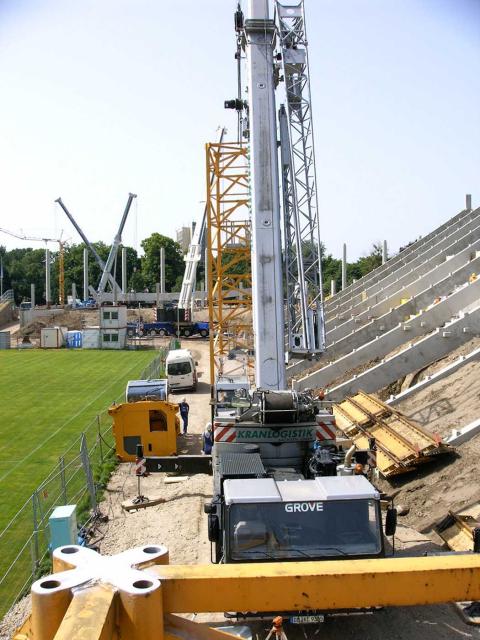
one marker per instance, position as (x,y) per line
(103,97)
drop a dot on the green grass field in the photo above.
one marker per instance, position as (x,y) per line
(46,399)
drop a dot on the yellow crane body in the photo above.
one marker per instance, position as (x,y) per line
(136,594)
(152,423)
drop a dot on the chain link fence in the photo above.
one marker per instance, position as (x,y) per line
(80,474)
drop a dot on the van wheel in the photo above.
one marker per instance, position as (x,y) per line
(204,333)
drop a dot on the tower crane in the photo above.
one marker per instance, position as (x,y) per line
(61,260)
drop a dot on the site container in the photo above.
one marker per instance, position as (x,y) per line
(52,338)
(4,339)
(91,338)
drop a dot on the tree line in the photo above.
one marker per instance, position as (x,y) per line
(23,267)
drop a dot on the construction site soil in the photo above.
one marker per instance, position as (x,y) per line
(74,319)
(180,524)
(450,482)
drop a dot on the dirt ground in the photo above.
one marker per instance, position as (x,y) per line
(451,481)
(179,523)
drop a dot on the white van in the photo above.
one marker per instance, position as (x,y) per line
(181,371)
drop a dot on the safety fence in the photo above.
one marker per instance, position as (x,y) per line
(80,475)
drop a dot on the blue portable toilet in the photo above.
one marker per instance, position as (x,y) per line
(74,339)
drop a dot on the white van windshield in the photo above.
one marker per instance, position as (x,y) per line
(179,368)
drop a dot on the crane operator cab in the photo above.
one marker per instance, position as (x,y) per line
(324,518)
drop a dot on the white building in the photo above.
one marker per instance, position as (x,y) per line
(113,327)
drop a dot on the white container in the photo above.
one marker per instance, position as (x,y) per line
(113,317)
(91,338)
(51,338)
(113,338)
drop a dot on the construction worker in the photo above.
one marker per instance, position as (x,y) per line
(184,411)
(207,439)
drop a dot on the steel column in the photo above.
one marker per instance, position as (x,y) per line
(48,292)
(162,269)
(344,267)
(124,269)
(85,273)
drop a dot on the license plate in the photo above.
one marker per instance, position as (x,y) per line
(307,619)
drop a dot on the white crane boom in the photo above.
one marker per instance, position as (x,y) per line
(267,276)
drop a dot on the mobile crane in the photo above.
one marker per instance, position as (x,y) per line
(280,493)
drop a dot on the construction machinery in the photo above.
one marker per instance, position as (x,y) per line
(106,267)
(283,490)
(154,424)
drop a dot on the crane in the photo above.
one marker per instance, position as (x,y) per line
(194,255)
(61,261)
(106,267)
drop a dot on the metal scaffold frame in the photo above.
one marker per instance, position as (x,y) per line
(228,253)
(303,271)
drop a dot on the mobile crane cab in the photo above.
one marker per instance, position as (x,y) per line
(324,518)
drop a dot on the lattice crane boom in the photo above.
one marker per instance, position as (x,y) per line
(302,258)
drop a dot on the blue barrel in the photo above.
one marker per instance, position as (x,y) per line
(74,339)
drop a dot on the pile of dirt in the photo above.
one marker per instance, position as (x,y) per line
(77,319)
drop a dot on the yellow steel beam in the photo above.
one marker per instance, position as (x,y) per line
(176,628)
(327,585)
(90,616)
(137,607)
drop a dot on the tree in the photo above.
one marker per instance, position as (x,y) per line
(174,263)
(23,267)
(370,261)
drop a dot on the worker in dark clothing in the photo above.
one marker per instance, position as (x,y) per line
(184,411)
(207,439)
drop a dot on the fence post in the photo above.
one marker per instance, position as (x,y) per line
(61,462)
(88,472)
(99,439)
(35,549)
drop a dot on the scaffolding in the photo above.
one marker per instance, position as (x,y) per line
(229,273)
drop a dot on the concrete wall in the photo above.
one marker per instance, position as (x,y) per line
(388,321)
(400,312)
(424,262)
(393,295)
(400,259)
(413,357)
(381,345)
